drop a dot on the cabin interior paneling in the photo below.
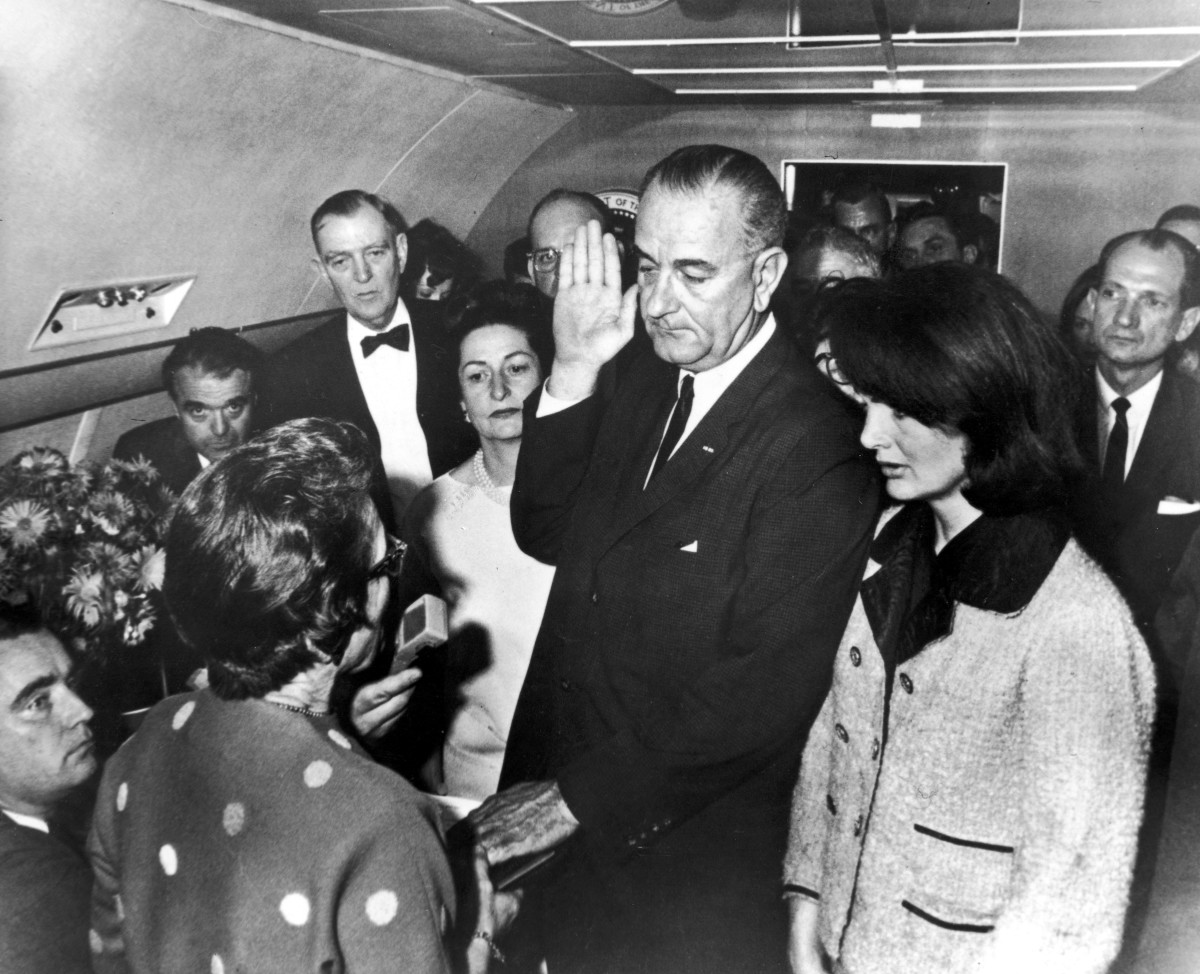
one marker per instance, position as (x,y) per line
(156,137)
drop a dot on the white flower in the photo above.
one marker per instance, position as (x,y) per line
(85,595)
(25,522)
(151,565)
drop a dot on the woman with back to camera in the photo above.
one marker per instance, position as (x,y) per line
(970,795)
(242,828)
(462,544)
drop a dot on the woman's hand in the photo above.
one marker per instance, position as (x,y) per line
(497,911)
(804,946)
(377,706)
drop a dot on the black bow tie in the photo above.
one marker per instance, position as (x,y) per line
(396,337)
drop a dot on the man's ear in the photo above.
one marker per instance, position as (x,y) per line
(767,273)
(320,266)
(1089,303)
(402,250)
(1187,324)
(970,254)
(891,235)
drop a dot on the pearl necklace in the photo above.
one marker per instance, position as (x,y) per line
(297,709)
(486,484)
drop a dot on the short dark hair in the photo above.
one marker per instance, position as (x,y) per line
(350,201)
(213,351)
(518,305)
(1158,239)
(839,240)
(855,192)
(268,553)
(562,195)
(961,348)
(19,620)
(431,245)
(694,169)
(1184,211)
(931,211)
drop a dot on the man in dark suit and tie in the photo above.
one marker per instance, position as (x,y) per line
(1139,422)
(709,522)
(386,368)
(212,377)
(46,760)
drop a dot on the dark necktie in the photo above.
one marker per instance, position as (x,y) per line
(1113,476)
(675,425)
(396,337)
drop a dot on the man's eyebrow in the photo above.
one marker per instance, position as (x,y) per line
(33,687)
(694,263)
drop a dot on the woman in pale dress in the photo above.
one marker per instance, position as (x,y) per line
(462,548)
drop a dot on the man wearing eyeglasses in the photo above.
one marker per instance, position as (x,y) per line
(552,226)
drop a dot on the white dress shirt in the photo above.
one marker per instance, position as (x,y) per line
(1141,402)
(389,383)
(706,389)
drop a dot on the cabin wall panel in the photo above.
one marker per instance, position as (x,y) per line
(1077,176)
(140,138)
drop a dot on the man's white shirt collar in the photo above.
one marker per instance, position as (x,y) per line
(29,821)
(1141,401)
(357,331)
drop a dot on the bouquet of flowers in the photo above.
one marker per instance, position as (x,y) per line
(84,544)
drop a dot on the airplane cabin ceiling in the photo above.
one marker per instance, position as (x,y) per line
(913,52)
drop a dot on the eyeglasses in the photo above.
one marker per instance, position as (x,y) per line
(390,563)
(545,260)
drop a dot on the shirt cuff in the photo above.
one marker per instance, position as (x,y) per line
(548,405)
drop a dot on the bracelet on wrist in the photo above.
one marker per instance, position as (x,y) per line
(496,953)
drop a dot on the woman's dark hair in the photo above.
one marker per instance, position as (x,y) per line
(961,348)
(268,554)
(520,306)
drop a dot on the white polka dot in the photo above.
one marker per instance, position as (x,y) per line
(294,908)
(182,714)
(170,861)
(382,907)
(340,739)
(122,796)
(234,818)
(317,774)
(217,966)
(95,942)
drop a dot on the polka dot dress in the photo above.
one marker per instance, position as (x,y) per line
(262,840)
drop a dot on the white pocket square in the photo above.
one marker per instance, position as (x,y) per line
(693,547)
(1173,505)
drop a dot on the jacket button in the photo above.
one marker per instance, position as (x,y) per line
(906,682)
(565,685)
(831,804)
(843,736)
(595,598)
(858,824)
(855,656)
(875,749)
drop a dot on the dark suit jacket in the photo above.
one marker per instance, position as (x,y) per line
(686,648)
(45,896)
(1139,547)
(162,443)
(315,376)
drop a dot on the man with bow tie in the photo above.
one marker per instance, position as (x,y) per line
(379,364)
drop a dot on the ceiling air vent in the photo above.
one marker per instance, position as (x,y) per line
(87,314)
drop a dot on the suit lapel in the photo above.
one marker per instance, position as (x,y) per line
(1157,444)
(703,446)
(341,378)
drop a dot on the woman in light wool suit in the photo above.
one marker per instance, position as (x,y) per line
(970,795)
